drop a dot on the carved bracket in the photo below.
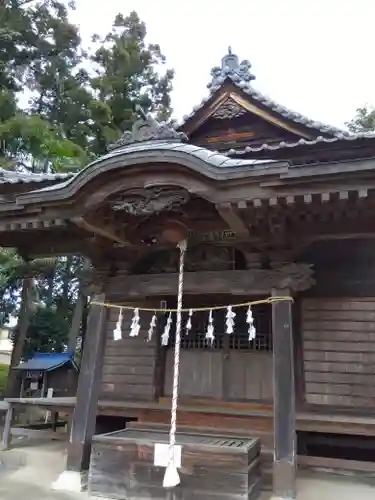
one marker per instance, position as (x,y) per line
(296,277)
(95,281)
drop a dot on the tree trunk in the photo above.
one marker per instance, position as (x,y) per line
(65,295)
(12,389)
(50,285)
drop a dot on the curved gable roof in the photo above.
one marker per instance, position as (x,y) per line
(238,73)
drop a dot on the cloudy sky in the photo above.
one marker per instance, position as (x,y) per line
(316,57)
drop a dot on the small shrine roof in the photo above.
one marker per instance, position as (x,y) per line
(46,362)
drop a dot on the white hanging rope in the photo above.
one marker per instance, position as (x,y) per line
(171,477)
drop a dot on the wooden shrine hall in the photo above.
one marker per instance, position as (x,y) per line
(274,205)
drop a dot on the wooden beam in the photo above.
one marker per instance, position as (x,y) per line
(250,282)
(84,416)
(107,233)
(284,467)
(230,215)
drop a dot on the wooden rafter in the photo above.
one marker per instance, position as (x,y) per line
(231,216)
(106,232)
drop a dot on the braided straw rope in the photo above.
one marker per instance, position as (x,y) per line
(171,477)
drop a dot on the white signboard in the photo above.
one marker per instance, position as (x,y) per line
(161,455)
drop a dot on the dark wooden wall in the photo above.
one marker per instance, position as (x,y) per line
(342,268)
(338,325)
(130,363)
(339,351)
(63,381)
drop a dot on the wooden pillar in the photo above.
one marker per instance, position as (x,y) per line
(78,313)
(76,322)
(84,416)
(7,431)
(284,466)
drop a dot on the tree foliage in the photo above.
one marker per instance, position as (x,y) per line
(363,121)
(48,332)
(61,104)
(126,73)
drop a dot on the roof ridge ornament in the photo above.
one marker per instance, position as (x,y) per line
(238,72)
(147,128)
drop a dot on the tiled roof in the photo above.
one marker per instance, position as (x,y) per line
(11,177)
(300,142)
(239,74)
(166,151)
(213,158)
(150,137)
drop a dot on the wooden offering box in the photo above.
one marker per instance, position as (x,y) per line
(213,467)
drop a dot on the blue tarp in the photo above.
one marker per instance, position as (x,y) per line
(47,362)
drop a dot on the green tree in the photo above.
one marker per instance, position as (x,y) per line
(15,43)
(72,115)
(31,143)
(48,332)
(39,50)
(60,85)
(363,121)
(128,72)
(13,270)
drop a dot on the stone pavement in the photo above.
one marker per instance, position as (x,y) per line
(30,468)
(28,471)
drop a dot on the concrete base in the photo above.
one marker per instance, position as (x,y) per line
(72,481)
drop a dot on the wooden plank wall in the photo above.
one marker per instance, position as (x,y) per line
(216,374)
(339,351)
(201,373)
(249,376)
(130,363)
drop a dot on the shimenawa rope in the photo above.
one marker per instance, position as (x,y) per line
(268,300)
